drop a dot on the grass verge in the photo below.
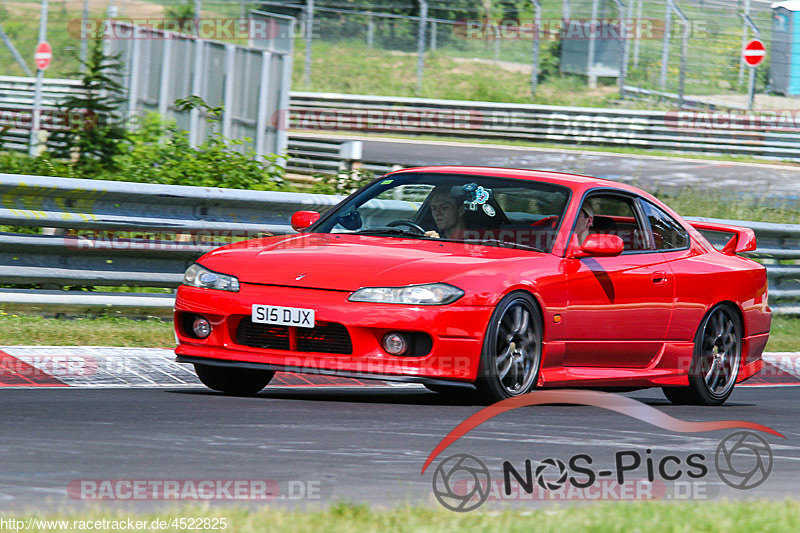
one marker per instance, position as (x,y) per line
(731,517)
(101,331)
(154,333)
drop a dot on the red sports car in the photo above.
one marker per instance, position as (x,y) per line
(488,279)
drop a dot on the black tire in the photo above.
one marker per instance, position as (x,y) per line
(715,362)
(234,381)
(512,349)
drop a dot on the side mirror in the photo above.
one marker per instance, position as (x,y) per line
(302,220)
(600,245)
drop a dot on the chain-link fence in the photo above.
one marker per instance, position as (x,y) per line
(715,34)
(688,47)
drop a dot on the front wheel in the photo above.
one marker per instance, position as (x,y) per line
(716,360)
(235,381)
(512,349)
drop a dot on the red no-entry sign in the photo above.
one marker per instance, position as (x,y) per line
(754,52)
(43,55)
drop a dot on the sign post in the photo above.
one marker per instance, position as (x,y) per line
(42,57)
(753,54)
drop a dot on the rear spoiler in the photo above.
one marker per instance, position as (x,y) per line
(742,240)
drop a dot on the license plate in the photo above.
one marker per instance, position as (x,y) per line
(283,316)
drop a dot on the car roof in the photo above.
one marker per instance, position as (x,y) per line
(574,181)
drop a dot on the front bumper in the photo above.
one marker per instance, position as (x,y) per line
(456,332)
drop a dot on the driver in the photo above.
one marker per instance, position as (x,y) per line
(448,214)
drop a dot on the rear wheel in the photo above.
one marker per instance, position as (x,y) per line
(235,381)
(512,349)
(716,360)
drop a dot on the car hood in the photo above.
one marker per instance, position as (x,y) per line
(349,262)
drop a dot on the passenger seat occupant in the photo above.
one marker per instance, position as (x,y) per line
(448,214)
(585,219)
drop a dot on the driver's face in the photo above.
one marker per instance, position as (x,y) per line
(445,212)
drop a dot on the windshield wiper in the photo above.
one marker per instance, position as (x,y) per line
(390,231)
(504,244)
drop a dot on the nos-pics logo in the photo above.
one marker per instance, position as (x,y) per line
(462,482)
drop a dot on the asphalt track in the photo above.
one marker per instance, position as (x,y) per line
(648,172)
(354,444)
(368,444)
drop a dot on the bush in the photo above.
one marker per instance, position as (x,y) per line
(159,152)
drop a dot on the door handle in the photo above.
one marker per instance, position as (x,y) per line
(659,277)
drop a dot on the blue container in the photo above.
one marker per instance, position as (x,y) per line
(784,64)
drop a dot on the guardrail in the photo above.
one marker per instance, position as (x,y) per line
(666,130)
(152,233)
(148,234)
(312,155)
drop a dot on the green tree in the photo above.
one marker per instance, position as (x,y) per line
(96,131)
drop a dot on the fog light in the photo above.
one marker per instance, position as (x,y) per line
(395,343)
(201,327)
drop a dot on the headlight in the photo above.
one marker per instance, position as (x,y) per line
(198,276)
(429,294)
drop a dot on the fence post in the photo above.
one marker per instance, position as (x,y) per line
(623,67)
(433,35)
(637,36)
(745,34)
(537,24)
(263,100)
(134,70)
(84,36)
(590,54)
(309,29)
(227,111)
(497,42)
(166,70)
(423,20)
(370,31)
(662,80)
(197,81)
(684,51)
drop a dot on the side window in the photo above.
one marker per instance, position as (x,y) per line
(667,233)
(615,215)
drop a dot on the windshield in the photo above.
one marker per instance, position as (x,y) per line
(474,209)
